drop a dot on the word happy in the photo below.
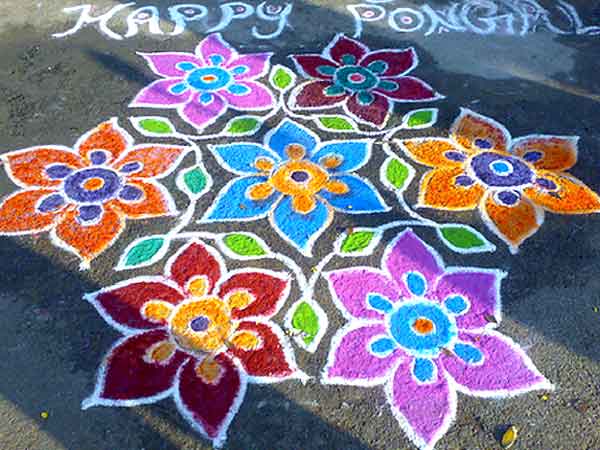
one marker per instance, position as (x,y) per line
(272,19)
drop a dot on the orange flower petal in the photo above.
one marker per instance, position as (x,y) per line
(303,203)
(433,152)
(28,167)
(476,132)
(337,187)
(152,161)
(260,191)
(512,224)
(547,152)
(155,202)
(570,196)
(439,190)
(295,152)
(107,136)
(18,214)
(88,241)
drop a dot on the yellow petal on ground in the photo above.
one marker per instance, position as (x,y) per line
(264,164)
(303,204)
(246,340)
(208,370)
(509,437)
(160,352)
(239,299)
(198,286)
(157,311)
(331,161)
(260,191)
(337,187)
(295,152)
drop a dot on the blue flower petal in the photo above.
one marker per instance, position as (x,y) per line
(353,154)
(233,204)
(416,282)
(240,158)
(301,230)
(468,353)
(287,133)
(361,198)
(424,370)
(379,303)
(383,346)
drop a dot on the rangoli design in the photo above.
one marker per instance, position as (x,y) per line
(291,148)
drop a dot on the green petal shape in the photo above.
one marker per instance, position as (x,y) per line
(397,173)
(282,78)
(305,319)
(154,126)
(357,241)
(243,125)
(143,252)
(464,239)
(244,245)
(336,123)
(420,118)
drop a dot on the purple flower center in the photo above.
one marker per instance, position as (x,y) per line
(494,169)
(94,185)
(200,323)
(300,176)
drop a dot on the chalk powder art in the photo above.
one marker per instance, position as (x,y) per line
(200,333)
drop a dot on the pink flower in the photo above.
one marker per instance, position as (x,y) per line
(366,83)
(203,85)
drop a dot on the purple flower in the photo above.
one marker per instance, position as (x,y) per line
(425,332)
(203,85)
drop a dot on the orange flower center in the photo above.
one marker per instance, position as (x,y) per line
(423,326)
(303,178)
(93,184)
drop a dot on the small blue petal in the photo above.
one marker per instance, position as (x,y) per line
(380,303)
(416,283)
(348,59)
(240,70)
(456,304)
(233,204)
(216,60)
(186,66)
(300,229)
(365,98)
(58,171)
(378,66)
(131,167)
(238,89)
(51,203)
(205,98)
(178,88)
(240,158)
(361,197)
(424,370)
(354,154)
(287,133)
(383,346)
(388,85)
(334,90)
(98,157)
(130,193)
(89,213)
(326,70)
(468,353)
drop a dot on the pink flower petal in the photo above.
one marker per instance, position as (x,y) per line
(158,94)
(351,287)
(375,114)
(505,369)
(215,46)
(165,64)
(397,62)
(409,254)
(256,98)
(195,260)
(310,64)
(480,288)
(128,378)
(351,362)
(201,115)
(311,95)
(256,65)
(409,89)
(343,45)
(210,407)
(424,411)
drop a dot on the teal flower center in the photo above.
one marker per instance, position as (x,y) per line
(356,78)
(209,78)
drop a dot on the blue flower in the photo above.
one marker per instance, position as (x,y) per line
(296,181)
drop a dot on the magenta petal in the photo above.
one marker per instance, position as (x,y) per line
(376,113)
(201,115)
(409,89)
(158,94)
(343,45)
(215,45)
(351,362)
(505,369)
(397,62)
(257,97)
(409,254)
(424,411)
(350,288)
(310,63)
(211,406)
(312,95)
(255,64)
(165,64)
(128,378)
(480,288)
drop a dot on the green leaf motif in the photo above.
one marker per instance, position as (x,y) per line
(243,125)
(336,123)
(244,245)
(397,173)
(357,241)
(156,126)
(194,180)
(306,320)
(464,239)
(143,251)
(282,78)
(421,118)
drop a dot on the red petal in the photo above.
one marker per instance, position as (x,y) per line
(155,201)
(398,61)
(310,63)
(195,259)
(126,378)
(374,114)
(107,136)
(211,407)
(18,213)
(346,46)
(121,304)
(156,160)
(269,290)
(271,358)
(409,89)
(312,95)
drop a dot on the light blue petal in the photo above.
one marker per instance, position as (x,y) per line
(468,353)
(456,304)
(424,370)
(361,198)
(383,346)
(240,158)
(379,303)
(417,284)
(288,132)
(300,229)
(354,155)
(232,203)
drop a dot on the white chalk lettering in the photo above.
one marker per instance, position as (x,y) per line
(180,15)
(144,15)
(85,18)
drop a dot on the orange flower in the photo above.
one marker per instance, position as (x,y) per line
(513,181)
(84,195)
